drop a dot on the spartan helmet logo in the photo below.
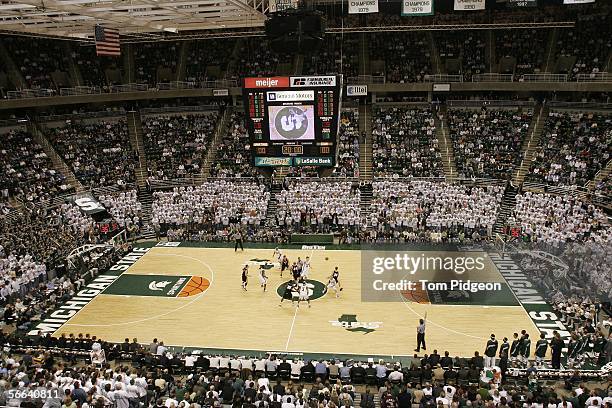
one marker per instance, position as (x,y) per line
(154,285)
(291,122)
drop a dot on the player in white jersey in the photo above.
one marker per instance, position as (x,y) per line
(303,294)
(305,268)
(278,256)
(334,282)
(263,279)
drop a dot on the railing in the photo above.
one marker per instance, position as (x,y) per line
(190,181)
(488,102)
(81,90)
(544,77)
(82,115)
(366,80)
(594,77)
(465,181)
(30,93)
(443,78)
(492,77)
(574,191)
(178,109)
(579,105)
(129,88)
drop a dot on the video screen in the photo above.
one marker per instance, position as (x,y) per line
(291,122)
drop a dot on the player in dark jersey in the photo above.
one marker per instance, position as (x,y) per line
(540,350)
(290,293)
(334,282)
(245,276)
(284,264)
(515,348)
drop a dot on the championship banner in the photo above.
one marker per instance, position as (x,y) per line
(469,5)
(578,1)
(281,5)
(417,7)
(363,6)
(522,3)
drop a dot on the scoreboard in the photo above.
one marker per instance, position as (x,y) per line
(293,121)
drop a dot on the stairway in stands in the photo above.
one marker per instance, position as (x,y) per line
(145,197)
(365,142)
(445,145)
(58,162)
(531,143)
(273,205)
(505,210)
(220,130)
(365,200)
(600,176)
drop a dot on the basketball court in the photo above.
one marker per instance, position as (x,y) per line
(192,297)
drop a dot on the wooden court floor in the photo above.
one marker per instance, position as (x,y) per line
(226,317)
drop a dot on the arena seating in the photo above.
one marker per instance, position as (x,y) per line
(124,207)
(156,62)
(487,143)
(462,52)
(348,145)
(176,145)
(557,219)
(25,170)
(99,153)
(340,55)
(573,147)
(93,68)
(521,51)
(310,206)
(256,58)
(207,60)
(404,142)
(585,48)
(38,60)
(209,211)
(400,56)
(428,211)
(233,151)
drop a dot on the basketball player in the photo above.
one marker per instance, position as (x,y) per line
(540,350)
(278,255)
(490,352)
(295,271)
(303,288)
(288,294)
(334,282)
(306,268)
(263,279)
(284,264)
(245,277)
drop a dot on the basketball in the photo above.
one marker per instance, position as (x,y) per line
(195,286)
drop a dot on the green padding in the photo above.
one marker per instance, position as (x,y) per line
(312,238)
(503,297)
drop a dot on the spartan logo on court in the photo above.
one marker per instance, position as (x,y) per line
(316,289)
(154,285)
(265,263)
(350,323)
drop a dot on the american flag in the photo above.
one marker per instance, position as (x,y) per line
(107,41)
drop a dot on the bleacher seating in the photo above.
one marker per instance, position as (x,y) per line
(400,56)
(233,151)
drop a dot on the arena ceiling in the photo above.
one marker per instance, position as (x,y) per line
(133,18)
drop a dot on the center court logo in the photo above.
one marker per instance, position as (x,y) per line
(350,323)
(316,289)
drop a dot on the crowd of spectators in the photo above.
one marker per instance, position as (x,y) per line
(348,145)
(527,47)
(310,206)
(405,143)
(150,58)
(93,67)
(463,52)
(214,210)
(233,157)
(37,59)
(176,144)
(557,219)
(338,55)
(124,207)
(573,147)
(25,170)
(487,143)
(256,58)
(99,153)
(406,56)
(589,42)
(427,211)
(207,60)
